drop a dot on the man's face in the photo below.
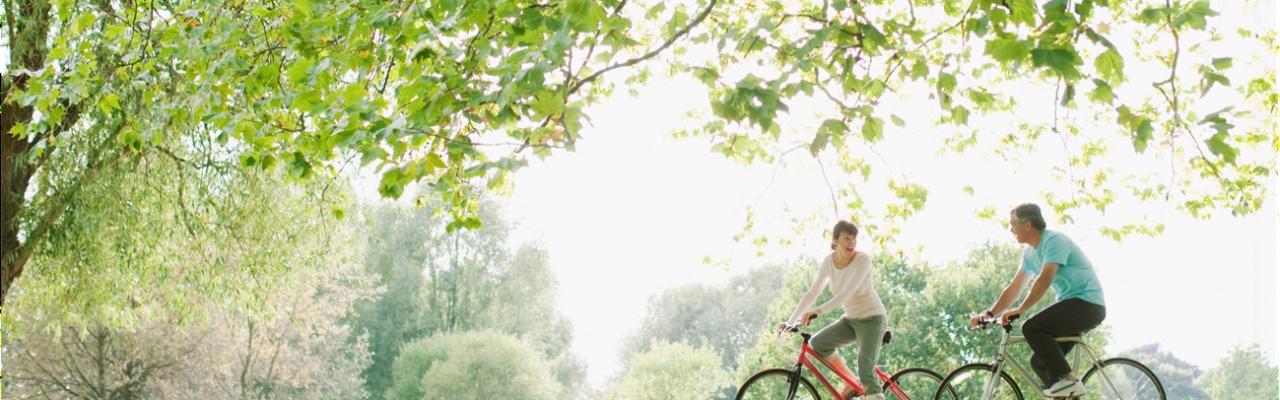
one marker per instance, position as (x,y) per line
(1021,229)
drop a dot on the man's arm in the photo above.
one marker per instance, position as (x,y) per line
(1010,293)
(1038,290)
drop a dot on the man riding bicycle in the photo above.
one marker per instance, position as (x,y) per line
(1052,259)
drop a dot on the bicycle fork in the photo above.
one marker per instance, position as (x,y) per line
(793,384)
(997,367)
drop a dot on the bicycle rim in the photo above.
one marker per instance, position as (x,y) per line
(970,382)
(913,384)
(1122,379)
(774,384)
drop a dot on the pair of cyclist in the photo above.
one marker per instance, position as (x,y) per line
(1050,259)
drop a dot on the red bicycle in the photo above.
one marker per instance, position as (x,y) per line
(790,384)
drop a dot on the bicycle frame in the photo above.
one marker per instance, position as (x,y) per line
(1024,373)
(807,352)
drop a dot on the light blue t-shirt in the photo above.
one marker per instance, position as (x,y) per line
(1075,278)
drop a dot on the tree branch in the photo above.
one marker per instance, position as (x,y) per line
(681,33)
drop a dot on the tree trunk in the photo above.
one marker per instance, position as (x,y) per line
(28,24)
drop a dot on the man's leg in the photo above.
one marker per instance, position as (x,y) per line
(1065,318)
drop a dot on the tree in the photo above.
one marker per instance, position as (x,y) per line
(184,277)
(458,95)
(1243,374)
(723,318)
(471,366)
(436,282)
(419,88)
(94,363)
(1179,378)
(297,348)
(670,371)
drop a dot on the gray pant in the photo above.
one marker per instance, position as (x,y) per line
(867,332)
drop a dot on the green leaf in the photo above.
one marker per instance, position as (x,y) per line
(353,94)
(299,72)
(897,121)
(392,184)
(1061,60)
(946,82)
(1210,79)
(547,103)
(1222,63)
(1023,11)
(877,39)
(1110,65)
(1194,15)
(303,6)
(1142,135)
(1068,95)
(829,128)
(1101,92)
(960,115)
(655,10)
(108,103)
(920,69)
(872,129)
(1153,15)
(1008,49)
(1218,146)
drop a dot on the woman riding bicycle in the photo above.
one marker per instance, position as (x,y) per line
(1057,261)
(849,276)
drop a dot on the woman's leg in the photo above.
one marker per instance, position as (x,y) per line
(870,332)
(830,338)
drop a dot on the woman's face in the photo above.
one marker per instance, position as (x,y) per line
(845,244)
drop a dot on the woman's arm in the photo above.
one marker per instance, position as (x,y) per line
(815,289)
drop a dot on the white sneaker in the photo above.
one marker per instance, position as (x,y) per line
(1065,388)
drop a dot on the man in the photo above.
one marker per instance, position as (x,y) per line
(1052,259)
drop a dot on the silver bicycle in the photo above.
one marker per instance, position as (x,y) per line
(1113,378)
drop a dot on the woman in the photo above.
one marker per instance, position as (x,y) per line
(848,274)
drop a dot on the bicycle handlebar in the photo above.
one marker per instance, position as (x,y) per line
(989,322)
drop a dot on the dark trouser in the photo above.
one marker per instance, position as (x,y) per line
(1069,317)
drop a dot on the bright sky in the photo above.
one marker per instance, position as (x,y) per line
(633,212)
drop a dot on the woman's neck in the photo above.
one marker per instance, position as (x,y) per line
(843,260)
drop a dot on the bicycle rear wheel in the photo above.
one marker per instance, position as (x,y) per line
(775,384)
(969,382)
(1122,379)
(912,384)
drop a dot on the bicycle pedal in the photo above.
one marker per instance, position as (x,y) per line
(1067,398)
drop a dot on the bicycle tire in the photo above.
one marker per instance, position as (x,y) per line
(958,385)
(905,380)
(1124,381)
(767,380)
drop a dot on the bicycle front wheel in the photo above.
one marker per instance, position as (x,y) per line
(1122,379)
(777,384)
(972,381)
(912,384)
